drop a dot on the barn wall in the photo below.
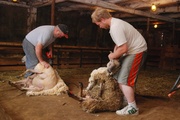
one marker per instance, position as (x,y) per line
(13,27)
(82,32)
(13,23)
(90,44)
(162,36)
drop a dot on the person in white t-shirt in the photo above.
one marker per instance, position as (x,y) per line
(39,39)
(130,48)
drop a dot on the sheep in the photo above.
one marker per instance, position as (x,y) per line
(102,93)
(44,81)
(112,67)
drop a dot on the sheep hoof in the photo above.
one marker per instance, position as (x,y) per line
(70,94)
(14,85)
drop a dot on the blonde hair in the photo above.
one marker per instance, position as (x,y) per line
(100,13)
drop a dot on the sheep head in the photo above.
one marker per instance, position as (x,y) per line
(113,66)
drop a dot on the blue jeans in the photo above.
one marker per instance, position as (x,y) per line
(31,58)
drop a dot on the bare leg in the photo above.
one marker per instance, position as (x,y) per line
(128,92)
(131,108)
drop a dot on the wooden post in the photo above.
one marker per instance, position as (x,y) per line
(52,23)
(148,19)
(147,40)
(31,20)
(52,11)
(173,37)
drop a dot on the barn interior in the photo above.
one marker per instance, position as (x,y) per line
(87,48)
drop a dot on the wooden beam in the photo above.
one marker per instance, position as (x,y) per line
(49,2)
(112,6)
(173,9)
(13,4)
(174,15)
(136,4)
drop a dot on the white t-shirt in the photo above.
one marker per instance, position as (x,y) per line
(122,32)
(42,34)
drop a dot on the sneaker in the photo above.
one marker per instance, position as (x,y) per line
(128,110)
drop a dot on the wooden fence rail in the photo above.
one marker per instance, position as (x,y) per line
(75,57)
(166,58)
(64,56)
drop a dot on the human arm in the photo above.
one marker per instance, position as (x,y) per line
(118,51)
(115,47)
(38,49)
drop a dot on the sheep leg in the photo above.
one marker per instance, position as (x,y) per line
(18,86)
(23,83)
(19,83)
(70,94)
(78,98)
(101,89)
(29,70)
(91,85)
(32,88)
(81,89)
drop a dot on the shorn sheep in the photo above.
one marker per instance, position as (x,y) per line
(102,92)
(44,81)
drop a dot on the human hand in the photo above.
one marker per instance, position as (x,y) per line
(110,55)
(45,64)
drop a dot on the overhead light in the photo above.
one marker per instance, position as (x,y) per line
(14,0)
(155,26)
(153,7)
